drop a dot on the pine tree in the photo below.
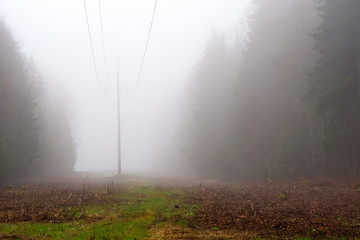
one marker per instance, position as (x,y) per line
(271,135)
(18,127)
(210,102)
(35,134)
(335,84)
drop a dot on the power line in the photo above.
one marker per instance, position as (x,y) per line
(147,44)
(102,34)
(92,48)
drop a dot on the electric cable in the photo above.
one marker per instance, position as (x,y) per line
(102,34)
(92,48)
(146,48)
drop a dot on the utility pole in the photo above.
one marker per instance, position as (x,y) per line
(118,104)
(118,121)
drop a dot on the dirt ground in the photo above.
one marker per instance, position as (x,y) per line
(47,202)
(318,209)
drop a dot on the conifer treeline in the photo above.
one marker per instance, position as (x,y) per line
(286,106)
(35,138)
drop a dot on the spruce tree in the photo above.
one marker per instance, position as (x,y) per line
(335,84)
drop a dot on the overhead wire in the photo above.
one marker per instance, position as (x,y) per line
(102,34)
(92,48)
(146,48)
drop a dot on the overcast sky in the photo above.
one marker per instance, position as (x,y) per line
(54,33)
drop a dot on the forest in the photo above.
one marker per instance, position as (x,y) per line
(282,105)
(264,146)
(35,133)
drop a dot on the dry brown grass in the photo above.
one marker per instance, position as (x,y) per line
(178,233)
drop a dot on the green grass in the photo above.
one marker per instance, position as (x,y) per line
(136,211)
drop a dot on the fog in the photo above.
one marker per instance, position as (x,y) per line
(229,90)
(229,113)
(55,35)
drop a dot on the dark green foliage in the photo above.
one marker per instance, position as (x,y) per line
(249,116)
(18,126)
(293,109)
(210,108)
(21,121)
(4,164)
(335,88)
(58,148)
(274,121)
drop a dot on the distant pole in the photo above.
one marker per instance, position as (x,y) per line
(118,106)
(118,120)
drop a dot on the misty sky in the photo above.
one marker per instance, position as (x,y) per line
(54,33)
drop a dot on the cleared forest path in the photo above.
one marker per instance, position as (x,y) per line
(140,208)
